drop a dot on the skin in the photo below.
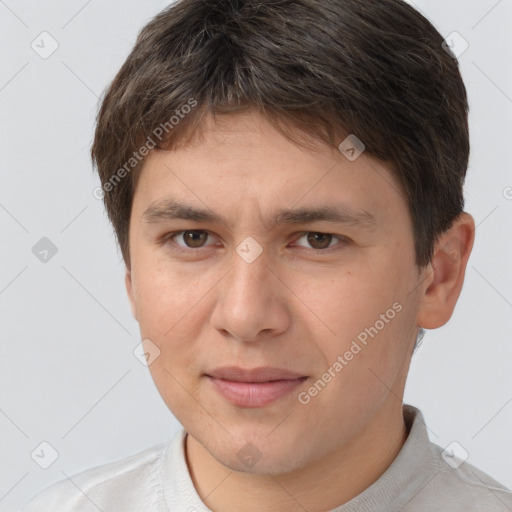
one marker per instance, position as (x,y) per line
(298,306)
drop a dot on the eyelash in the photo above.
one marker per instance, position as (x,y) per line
(167,240)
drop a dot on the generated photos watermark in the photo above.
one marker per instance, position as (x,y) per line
(305,397)
(158,133)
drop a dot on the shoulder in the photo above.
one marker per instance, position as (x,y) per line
(465,485)
(465,488)
(435,479)
(117,485)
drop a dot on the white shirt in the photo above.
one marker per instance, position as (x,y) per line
(157,480)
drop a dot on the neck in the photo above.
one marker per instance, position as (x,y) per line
(324,485)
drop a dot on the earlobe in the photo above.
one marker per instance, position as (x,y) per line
(129,290)
(447,272)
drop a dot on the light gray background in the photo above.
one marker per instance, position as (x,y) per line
(68,375)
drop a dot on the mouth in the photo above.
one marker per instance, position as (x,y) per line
(256,387)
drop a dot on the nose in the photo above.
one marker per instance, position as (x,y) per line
(252,301)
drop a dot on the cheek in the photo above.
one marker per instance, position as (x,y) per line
(358,376)
(167,297)
(343,307)
(171,315)
(365,320)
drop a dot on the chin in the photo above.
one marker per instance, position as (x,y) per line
(268,464)
(256,453)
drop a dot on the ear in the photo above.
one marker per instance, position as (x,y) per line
(445,274)
(129,289)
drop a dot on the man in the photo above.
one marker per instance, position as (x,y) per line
(285,183)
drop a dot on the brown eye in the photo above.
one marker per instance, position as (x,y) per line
(194,239)
(319,240)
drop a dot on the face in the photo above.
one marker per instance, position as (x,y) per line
(237,260)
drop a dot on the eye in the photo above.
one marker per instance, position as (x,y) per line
(321,241)
(192,239)
(196,239)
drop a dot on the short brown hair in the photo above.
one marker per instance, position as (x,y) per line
(373,68)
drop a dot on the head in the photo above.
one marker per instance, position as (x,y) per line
(251,240)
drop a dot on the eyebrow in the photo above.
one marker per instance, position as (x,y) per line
(169,210)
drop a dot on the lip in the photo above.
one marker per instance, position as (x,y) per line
(261,374)
(255,387)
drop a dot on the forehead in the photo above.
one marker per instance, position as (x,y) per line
(242,162)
